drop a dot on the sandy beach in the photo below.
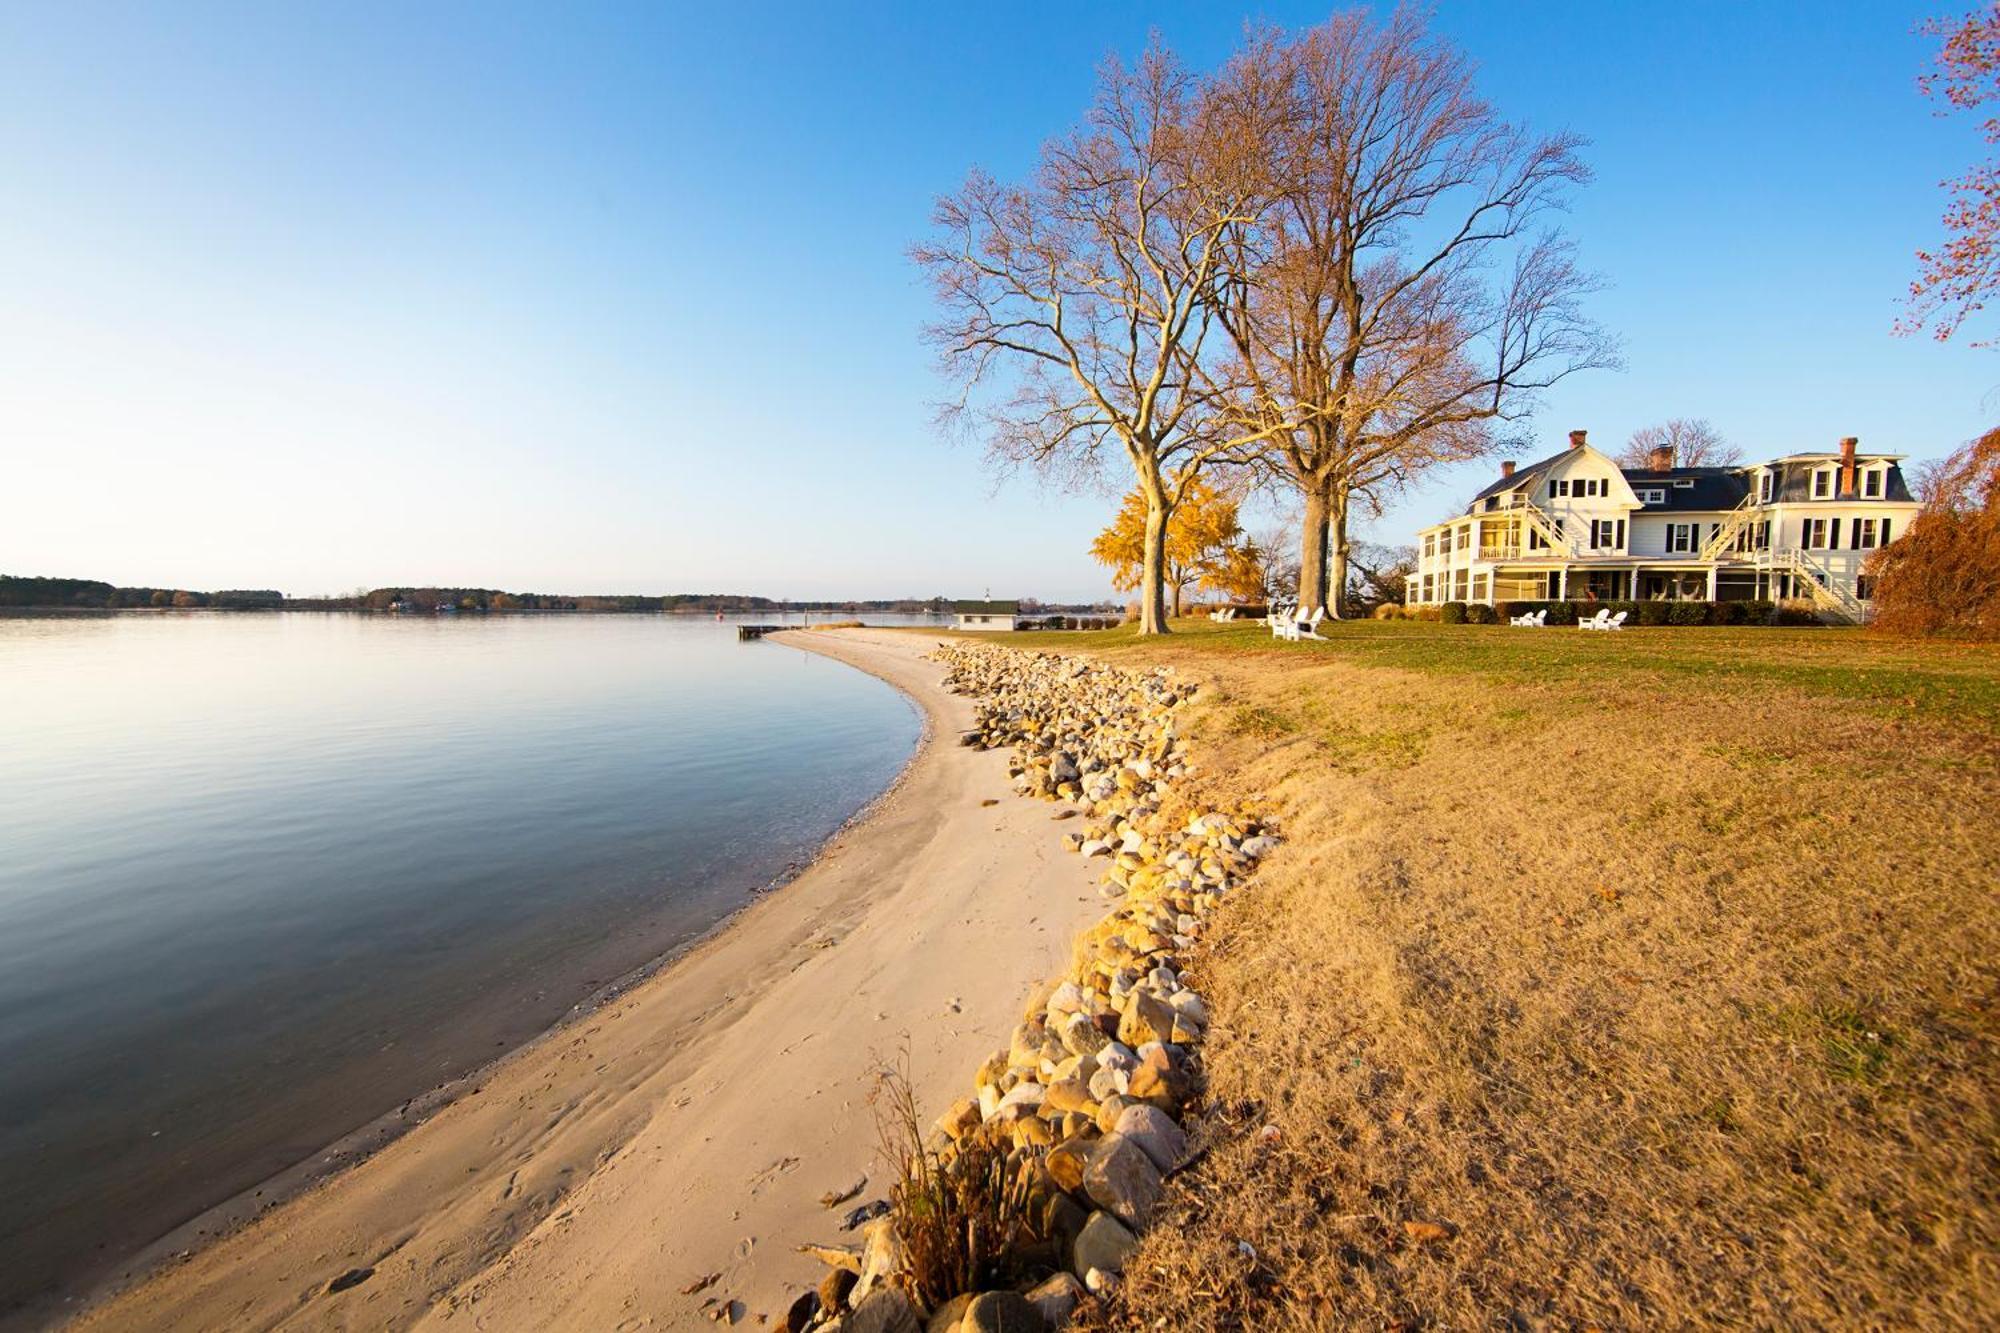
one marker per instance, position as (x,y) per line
(690,1127)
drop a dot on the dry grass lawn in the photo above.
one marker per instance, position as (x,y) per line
(1615,981)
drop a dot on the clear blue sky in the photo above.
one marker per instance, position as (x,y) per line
(602,297)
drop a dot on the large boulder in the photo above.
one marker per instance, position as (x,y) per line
(1056,1299)
(1122,1179)
(1001,1312)
(884,1311)
(1149,1019)
(1156,1133)
(1104,1244)
(947,1317)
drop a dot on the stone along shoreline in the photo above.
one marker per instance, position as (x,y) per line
(1027,1197)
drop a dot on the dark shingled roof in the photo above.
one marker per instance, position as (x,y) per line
(987,608)
(1521,475)
(1714,487)
(1795,479)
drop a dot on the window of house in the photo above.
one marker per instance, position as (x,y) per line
(1460,584)
(1535,539)
(1681,536)
(1607,534)
(1427,586)
(1683,484)
(1559,487)
(1652,495)
(1479,587)
(1765,480)
(1817,533)
(1430,545)
(1864,534)
(1871,484)
(1864,587)
(1822,486)
(1464,538)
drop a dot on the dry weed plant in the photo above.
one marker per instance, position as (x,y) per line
(1619,1003)
(962,1214)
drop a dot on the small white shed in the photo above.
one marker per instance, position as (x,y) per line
(987,615)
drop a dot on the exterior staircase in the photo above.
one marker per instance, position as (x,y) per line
(1725,537)
(1539,521)
(1826,593)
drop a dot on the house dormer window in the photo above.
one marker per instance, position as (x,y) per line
(1822,484)
(1683,484)
(1651,495)
(1871,484)
(1765,480)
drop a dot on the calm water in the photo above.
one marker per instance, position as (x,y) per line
(264,877)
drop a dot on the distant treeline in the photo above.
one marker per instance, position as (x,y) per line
(493,599)
(93,594)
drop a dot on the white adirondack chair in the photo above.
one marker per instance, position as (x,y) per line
(1303,629)
(1598,621)
(1616,622)
(1281,624)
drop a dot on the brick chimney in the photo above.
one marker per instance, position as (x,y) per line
(1576,440)
(1506,467)
(1847,467)
(1661,459)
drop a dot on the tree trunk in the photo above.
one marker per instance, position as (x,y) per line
(1153,574)
(1179,585)
(1312,549)
(1337,550)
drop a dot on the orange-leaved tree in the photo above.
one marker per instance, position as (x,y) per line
(1943,575)
(1200,534)
(1955,280)
(1242,574)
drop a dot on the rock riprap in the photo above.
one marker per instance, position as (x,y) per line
(1085,1104)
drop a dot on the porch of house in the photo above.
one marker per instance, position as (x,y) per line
(1634,581)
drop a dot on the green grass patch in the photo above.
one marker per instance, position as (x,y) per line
(1950,682)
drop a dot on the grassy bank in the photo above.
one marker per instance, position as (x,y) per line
(1604,980)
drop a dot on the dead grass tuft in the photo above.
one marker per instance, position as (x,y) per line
(961,1214)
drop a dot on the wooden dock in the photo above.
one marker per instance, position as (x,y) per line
(759,631)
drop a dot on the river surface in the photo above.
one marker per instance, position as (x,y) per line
(264,877)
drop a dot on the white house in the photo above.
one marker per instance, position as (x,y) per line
(987,615)
(1578,527)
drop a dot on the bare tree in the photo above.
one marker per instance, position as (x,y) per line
(1381,573)
(1078,307)
(1689,442)
(1396,296)
(1278,542)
